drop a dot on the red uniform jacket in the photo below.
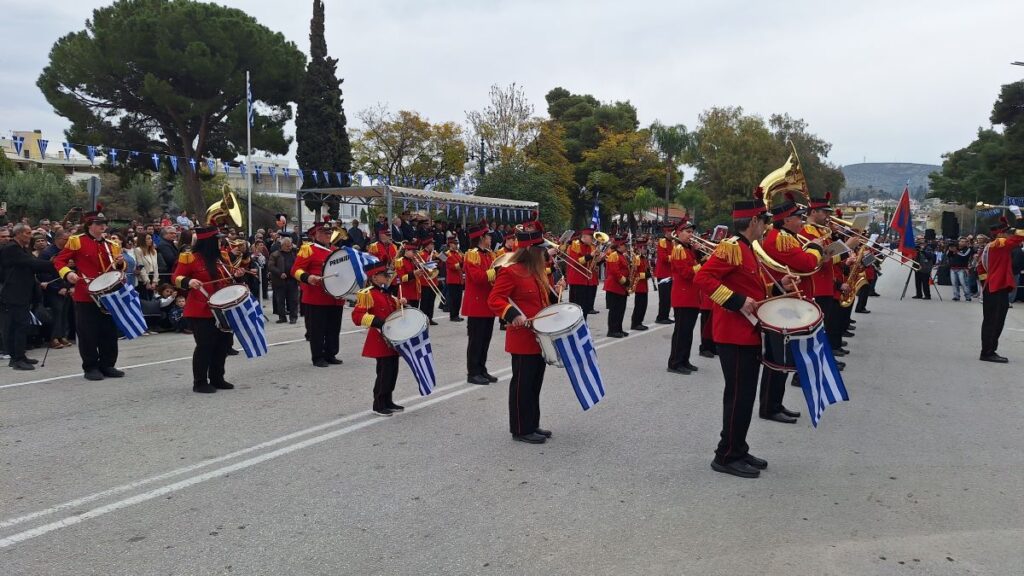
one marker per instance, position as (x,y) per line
(405,276)
(662,266)
(642,274)
(583,254)
(454,267)
(616,273)
(479,278)
(385,253)
(91,257)
(310,262)
(373,306)
(822,282)
(516,284)
(871,273)
(785,249)
(731,275)
(998,272)
(192,267)
(684,266)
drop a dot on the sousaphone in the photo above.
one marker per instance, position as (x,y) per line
(225,210)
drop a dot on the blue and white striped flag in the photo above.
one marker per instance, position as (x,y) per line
(359,260)
(246,322)
(419,356)
(125,308)
(34,320)
(819,376)
(595,219)
(249,108)
(576,350)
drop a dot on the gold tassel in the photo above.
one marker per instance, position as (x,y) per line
(729,250)
(473,257)
(364,299)
(785,242)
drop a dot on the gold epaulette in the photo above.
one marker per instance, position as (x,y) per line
(678,253)
(473,256)
(785,242)
(305,250)
(729,250)
(186,258)
(811,230)
(663,243)
(364,299)
(74,242)
(613,257)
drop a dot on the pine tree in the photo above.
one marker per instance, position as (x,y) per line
(320,123)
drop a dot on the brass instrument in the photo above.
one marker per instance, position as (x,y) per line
(631,276)
(227,209)
(426,277)
(339,233)
(704,246)
(787,178)
(601,241)
(856,279)
(561,254)
(845,228)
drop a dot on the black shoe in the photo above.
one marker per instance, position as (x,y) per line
(543,432)
(280,321)
(490,378)
(853,322)
(929,298)
(679,370)
(532,438)
(320,363)
(21,365)
(790,413)
(915,297)
(232,352)
(204,388)
(736,468)
(617,334)
(993,358)
(93,375)
(223,385)
(663,321)
(689,367)
(840,352)
(593,312)
(848,334)
(478,379)
(31,361)
(333,360)
(863,311)
(755,462)
(840,365)
(432,323)
(382,412)
(876,294)
(112,372)
(639,327)
(707,353)
(293,321)
(843,344)
(502,327)
(396,408)
(779,417)
(458,319)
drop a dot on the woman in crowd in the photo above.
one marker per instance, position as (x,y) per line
(149,275)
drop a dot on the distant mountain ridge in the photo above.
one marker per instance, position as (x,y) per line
(885,180)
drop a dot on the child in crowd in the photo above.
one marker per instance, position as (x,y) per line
(176,316)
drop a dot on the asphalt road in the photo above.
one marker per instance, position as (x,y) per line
(290,474)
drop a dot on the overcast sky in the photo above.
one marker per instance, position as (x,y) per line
(882,80)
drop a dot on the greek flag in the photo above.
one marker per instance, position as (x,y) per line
(42,147)
(595,219)
(125,308)
(577,353)
(246,322)
(34,320)
(358,260)
(419,356)
(250,110)
(19,142)
(819,376)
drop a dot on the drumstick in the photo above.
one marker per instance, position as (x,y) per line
(402,304)
(539,316)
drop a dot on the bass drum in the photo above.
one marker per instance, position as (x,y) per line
(226,299)
(783,319)
(554,322)
(104,284)
(340,279)
(403,325)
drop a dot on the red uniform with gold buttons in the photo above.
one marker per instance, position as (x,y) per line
(310,261)
(453,268)
(731,275)
(91,258)
(996,271)
(479,280)
(405,277)
(373,306)
(616,273)
(192,267)
(323,311)
(516,284)
(684,268)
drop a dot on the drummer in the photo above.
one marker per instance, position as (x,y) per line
(92,255)
(519,293)
(203,271)
(373,305)
(323,311)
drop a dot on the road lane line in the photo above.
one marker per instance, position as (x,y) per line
(461,388)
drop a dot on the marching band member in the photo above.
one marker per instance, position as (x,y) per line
(685,300)
(519,293)
(663,270)
(823,283)
(455,279)
(383,249)
(323,311)
(996,271)
(480,327)
(615,281)
(373,305)
(202,271)
(642,271)
(407,274)
(92,255)
(427,295)
(733,277)
(509,247)
(707,341)
(782,244)
(583,290)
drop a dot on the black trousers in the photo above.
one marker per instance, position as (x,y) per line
(707,341)
(664,299)
(773,382)
(828,307)
(591,297)
(454,300)
(862,297)
(212,345)
(616,304)
(921,285)
(324,325)
(739,366)
(427,301)
(682,336)
(480,331)
(286,300)
(524,393)
(639,309)
(384,385)
(15,322)
(994,307)
(97,337)
(584,296)
(845,315)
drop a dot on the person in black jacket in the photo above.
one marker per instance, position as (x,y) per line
(20,292)
(167,253)
(926,258)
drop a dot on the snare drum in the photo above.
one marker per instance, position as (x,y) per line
(104,284)
(781,320)
(565,317)
(402,325)
(226,299)
(339,277)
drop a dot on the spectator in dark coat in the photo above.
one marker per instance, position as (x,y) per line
(356,236)
(286,287)
(20,292)
(167,253)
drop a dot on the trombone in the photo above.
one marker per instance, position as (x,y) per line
(845,228)
(427,279)
(562,255)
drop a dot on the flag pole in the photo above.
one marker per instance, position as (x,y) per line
(248,152)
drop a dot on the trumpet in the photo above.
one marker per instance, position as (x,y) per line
(601,241)
(704,246)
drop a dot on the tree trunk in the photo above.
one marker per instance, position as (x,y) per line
(193,192)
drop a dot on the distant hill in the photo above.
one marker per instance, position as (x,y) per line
(885,180)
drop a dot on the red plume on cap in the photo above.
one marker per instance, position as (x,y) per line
(839,213)
(758,193)
(828,196)
(99,207)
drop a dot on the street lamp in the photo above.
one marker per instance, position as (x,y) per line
(483,156)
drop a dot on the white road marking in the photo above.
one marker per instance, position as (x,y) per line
(174,487)
(145,365)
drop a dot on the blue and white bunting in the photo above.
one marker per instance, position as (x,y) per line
(227,168)
(67,150)
(192,163)
(42,147)
(272,171)
(112,155)
(241,168)
(174,164)
(259,171)
(211,165)
(90,151)
(156,162)
(19,143)
(340,181)
(287,172)
(327,177)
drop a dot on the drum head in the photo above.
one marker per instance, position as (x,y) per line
(105,281)
(563,317)
(228,296)
(339,274)
(789,315)
(404,324)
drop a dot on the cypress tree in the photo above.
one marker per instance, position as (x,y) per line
(323,143)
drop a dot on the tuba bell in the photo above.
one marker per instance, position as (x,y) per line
(225,210)
(787,178)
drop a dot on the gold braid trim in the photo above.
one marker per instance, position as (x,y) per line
(721,295)
(785,242)
(364,299)
(473,256)
(729,250)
